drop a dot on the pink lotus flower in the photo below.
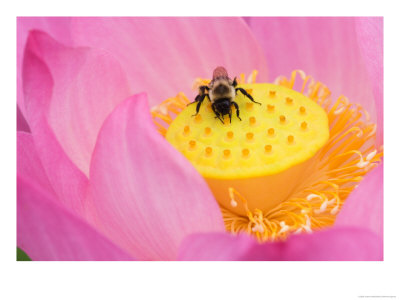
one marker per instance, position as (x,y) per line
(95,179)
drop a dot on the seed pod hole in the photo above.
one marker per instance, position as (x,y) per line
(249,136)
(227,153)
(186,130)
(270,108)
(198,118)
(192,144)
(208,151)
(249,106)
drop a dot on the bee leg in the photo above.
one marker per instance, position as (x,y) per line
(203,89)
(197,99)
(234,82)
(200,101)
(202,94)
(230,115)
(237,109)
(217,115)
(246,94)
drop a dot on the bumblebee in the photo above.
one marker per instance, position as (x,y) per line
(221,92)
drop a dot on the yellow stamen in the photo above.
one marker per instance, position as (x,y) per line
(318,186)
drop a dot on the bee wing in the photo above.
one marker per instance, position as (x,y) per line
(220,72)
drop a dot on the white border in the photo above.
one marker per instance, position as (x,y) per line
(205,280)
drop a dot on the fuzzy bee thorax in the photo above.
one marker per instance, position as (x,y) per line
(221,88)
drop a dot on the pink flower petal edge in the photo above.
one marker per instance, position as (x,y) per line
(364,206)
(147,195)
(47,231)
(87,84)
(370,38)
(57,27)
(339,244)
(22,124)
(68,182)
(325,48)
(163,56)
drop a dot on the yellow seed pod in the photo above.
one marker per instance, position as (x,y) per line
(262,156)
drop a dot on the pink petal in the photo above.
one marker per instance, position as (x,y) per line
(364,206)
(29,165)
(334,244)
(46,231)
(67,181)
(370,38)
(148,196)
(57,27)
(149,57)
(325,48)
(87,85)
(163,56)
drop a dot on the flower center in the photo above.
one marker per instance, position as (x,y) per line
(280,170)
(262,156)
